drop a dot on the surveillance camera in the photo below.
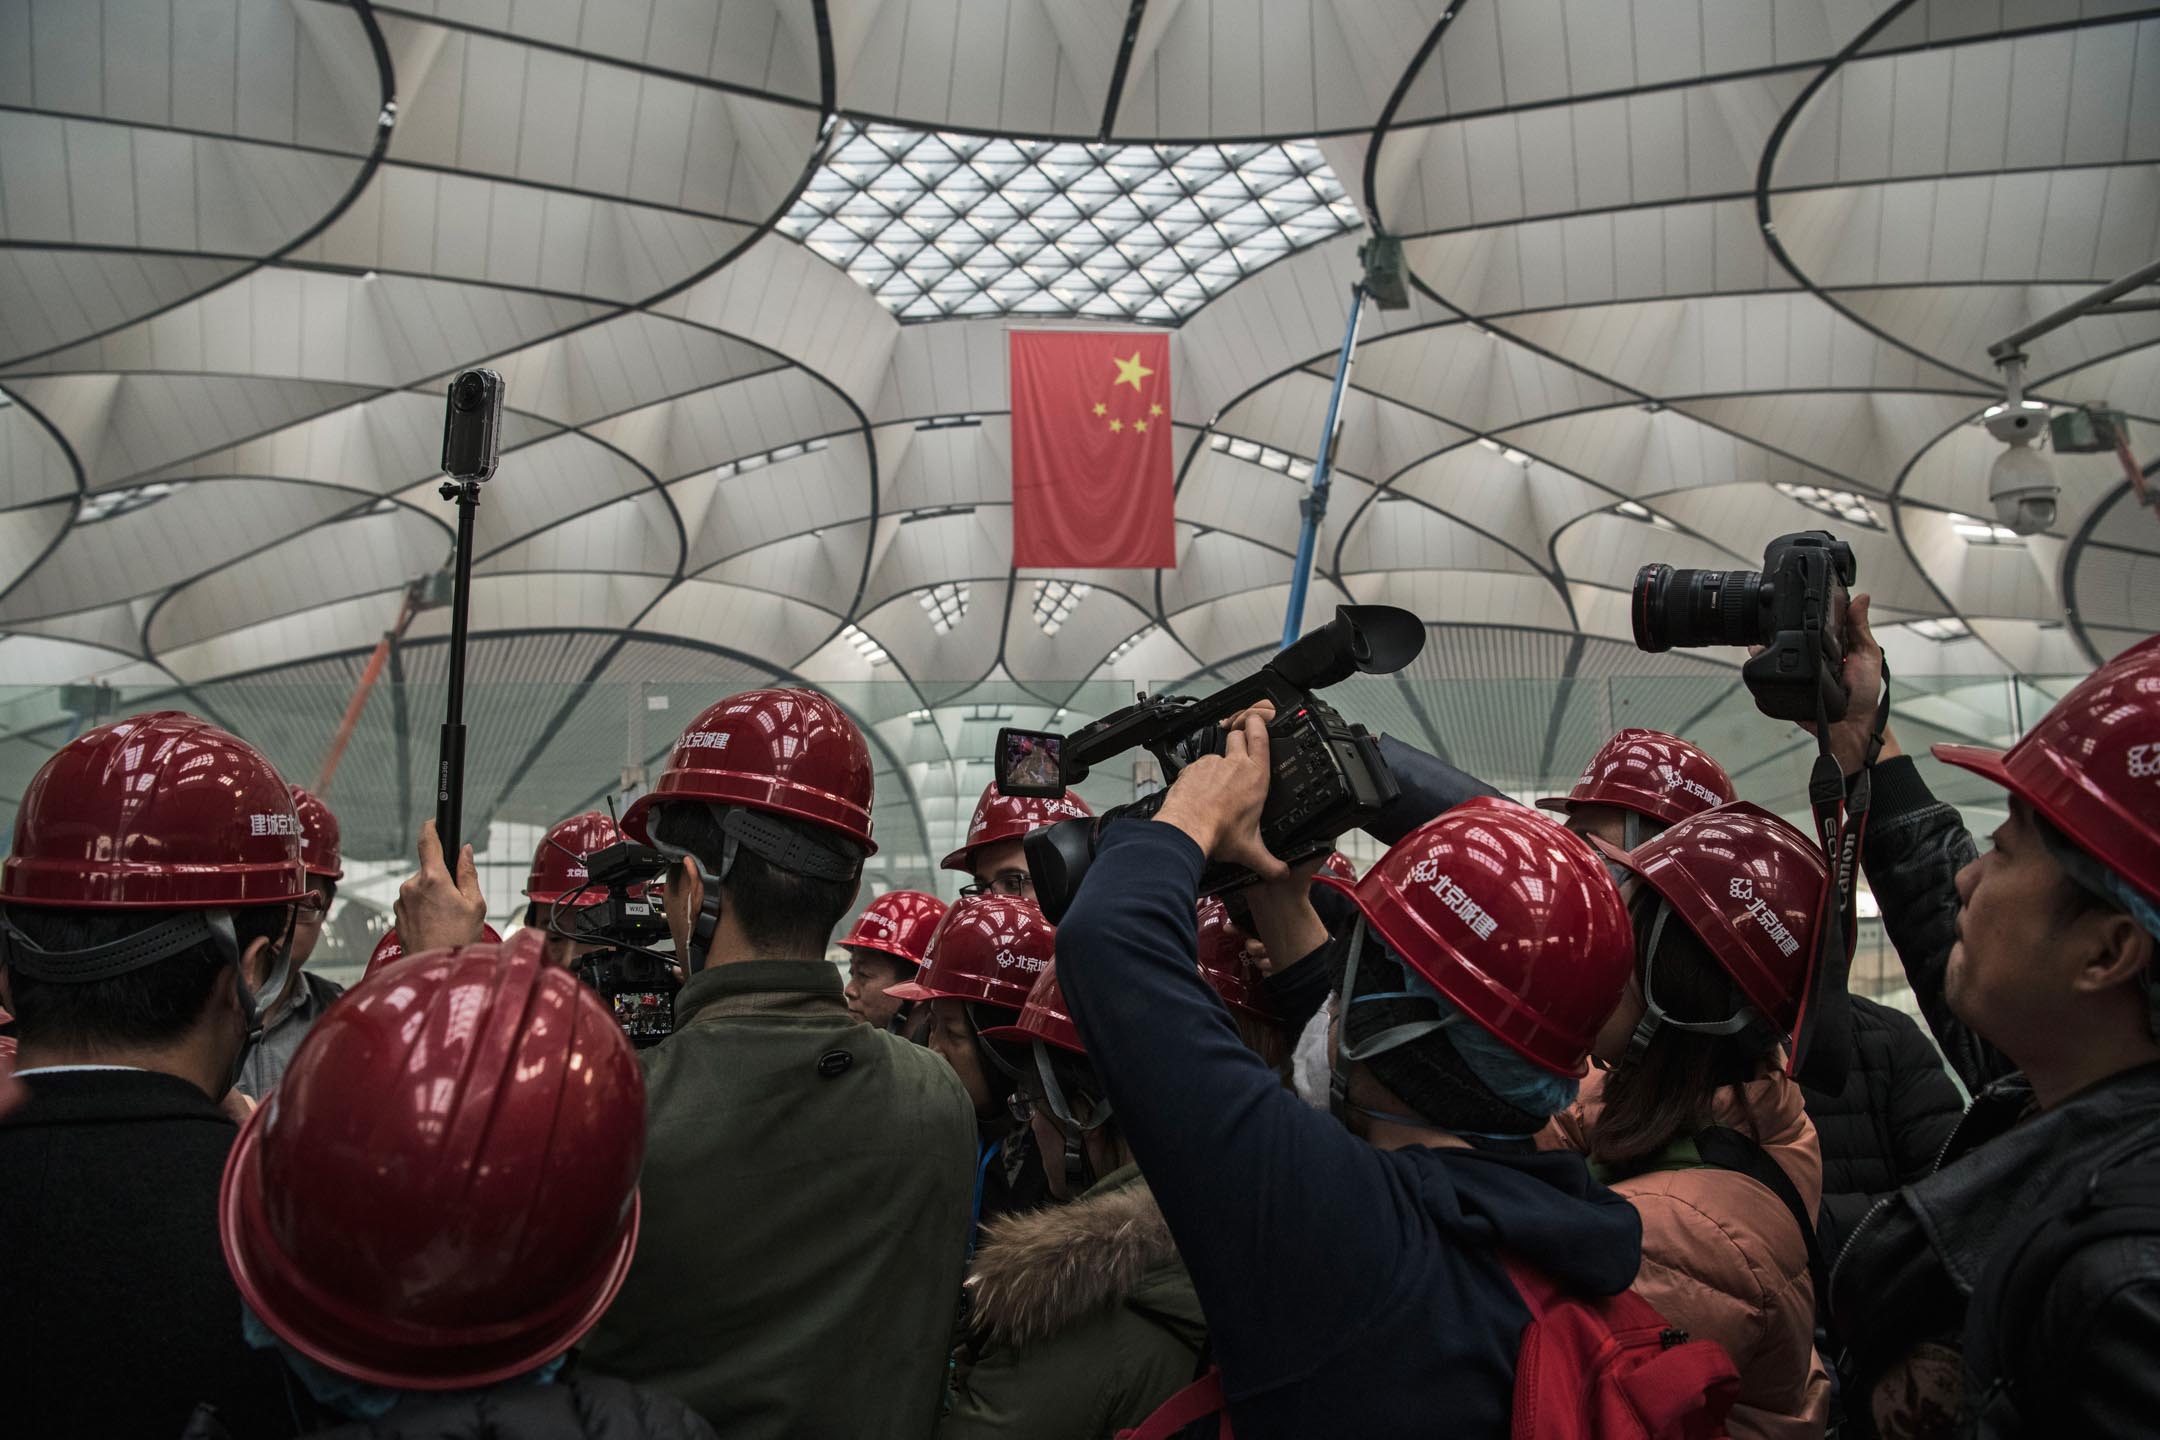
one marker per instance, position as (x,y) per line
(2016,424)
(2021,486)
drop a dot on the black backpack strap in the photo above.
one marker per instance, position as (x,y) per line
(1728,1149)
(2113,1204)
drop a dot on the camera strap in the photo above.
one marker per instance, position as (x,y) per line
(1822,1032)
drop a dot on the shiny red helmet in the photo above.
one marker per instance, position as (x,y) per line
(1339,866)
(1008,817)
(1656,775)
(1223,963)
(390,949)
(442,1193)
(558,867)
(1750,886)
(898,923)
(1514,919)
(1044,1016)
(988,948)
(318,836)
(2091,766)
(156,811)
(785,752)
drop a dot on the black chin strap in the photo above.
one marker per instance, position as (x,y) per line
(1822,1032)
(1079,1170)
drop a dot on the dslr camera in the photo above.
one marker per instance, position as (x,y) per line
(637,982)
(1328,774)
(1794,608)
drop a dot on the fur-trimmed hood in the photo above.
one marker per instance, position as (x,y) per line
(1039,1273)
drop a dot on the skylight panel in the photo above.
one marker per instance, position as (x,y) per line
(866,647)
(1982,532)
(108,504)
(1125,646)
(1055,601)
(1942,632)
(946,605)
(1844,504)
(1148,232)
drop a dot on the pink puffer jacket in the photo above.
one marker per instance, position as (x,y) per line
(1723,1260)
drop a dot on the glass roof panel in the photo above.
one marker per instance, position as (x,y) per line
(1146,232)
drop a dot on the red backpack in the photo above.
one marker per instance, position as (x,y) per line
(1590,1368)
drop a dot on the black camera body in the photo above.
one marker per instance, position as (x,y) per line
(1794,608)
(472,425)
(637,983)
(1328,775)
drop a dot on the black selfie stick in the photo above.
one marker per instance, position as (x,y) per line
(471,420)
(450,774)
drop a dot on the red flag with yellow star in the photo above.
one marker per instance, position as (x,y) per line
(1091,450)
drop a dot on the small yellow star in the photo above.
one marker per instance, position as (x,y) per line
(1154,409)
(1102,409)
(1140,425)
(1116,425)
(1130,372)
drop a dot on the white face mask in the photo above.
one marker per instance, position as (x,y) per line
(1309,1060)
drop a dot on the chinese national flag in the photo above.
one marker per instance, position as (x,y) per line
(1091,450)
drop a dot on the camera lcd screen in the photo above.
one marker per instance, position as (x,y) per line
(1028,763)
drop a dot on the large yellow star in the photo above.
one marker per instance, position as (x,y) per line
(1116,425)
(1102,409)
(1130,372)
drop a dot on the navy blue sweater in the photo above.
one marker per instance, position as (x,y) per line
(1348,1290)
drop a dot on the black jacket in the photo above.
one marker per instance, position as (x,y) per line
(116,1313)
(1910,1269)
(1348,1290)
(589,1407)
(1887,1126)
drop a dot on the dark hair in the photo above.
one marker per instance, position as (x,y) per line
(154,1005)
(1670,1090)
(778,910)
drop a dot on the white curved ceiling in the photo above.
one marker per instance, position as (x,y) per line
(1687,273)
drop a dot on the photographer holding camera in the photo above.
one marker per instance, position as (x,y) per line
(2016,1291)
(1354,1267)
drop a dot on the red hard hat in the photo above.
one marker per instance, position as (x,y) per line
(558,866)
(442,1193)
(318,836)
(1044,1016)
(2091,767)
(788,752)
(1750,886)
(988,948)
(898,924)
(158,810)
(1340,866)
(1511,917)
(1223,964)
(1008,817)
(390,949)
(1653,774)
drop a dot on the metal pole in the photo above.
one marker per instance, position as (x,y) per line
(2084,304)
(1314,506)
(450,774)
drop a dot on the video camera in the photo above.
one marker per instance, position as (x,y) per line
(637,982)
(1328,774)
(1794,607)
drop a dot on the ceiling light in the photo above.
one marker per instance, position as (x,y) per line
(1981,532)
(108,504)
(1125,646)
(1940,631)
(1055,601)
(946,605)
(920,717)
(866,647)
(1515,457)
(1489,444)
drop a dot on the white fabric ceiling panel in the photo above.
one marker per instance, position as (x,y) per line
(956,368)
(634,536)
(779,295)
(1465,597)
(1867,438)
(36,468)
(364,556)
(950,465)
(1961,322)
(29,660)
(963,652)
(1405,534)
(299,635)
(823,568)
(792,497)
(625,364)
(51,298)
(26,534)
(1522,506)
(117,627)
(974,546)
(750,417)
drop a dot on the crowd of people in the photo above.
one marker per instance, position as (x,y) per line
(1501,1137)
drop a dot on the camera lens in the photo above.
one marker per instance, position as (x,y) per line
(1694,608)
(471,392)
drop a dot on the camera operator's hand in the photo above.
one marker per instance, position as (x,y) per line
(1863,674)
(435,909)
(1217,801)
(1283,916)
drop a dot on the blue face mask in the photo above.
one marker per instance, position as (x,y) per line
(343,1395)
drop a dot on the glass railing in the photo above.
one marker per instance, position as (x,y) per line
(537,752)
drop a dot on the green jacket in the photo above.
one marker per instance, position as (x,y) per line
(1090,1317)
(806,1190)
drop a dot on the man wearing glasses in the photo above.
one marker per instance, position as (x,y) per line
(992,854)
